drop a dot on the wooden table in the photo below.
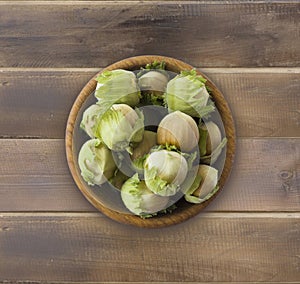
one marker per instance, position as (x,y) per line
(50,234)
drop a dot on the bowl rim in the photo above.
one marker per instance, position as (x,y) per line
(180,214)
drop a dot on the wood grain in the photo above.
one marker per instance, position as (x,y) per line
(50,234)
(210,247)
(265,177)
(35,103)
(98,33)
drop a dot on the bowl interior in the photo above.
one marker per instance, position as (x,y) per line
(108,199)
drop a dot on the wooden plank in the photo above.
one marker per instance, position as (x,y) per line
(34,177)
(95,34)
(264,102)
(208,248)
(35,103)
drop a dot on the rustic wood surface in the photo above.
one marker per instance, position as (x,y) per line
(265,177)
(98,33)
(264,102)
(210,248)
(49,233)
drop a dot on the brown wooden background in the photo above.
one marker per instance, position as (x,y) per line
(50,49)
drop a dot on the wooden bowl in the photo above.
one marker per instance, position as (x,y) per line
(74,140)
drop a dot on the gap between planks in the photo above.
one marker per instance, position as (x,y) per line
(155,282)
(19,138)
(105,282)
(147,2)
(207,215)
(221,70)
